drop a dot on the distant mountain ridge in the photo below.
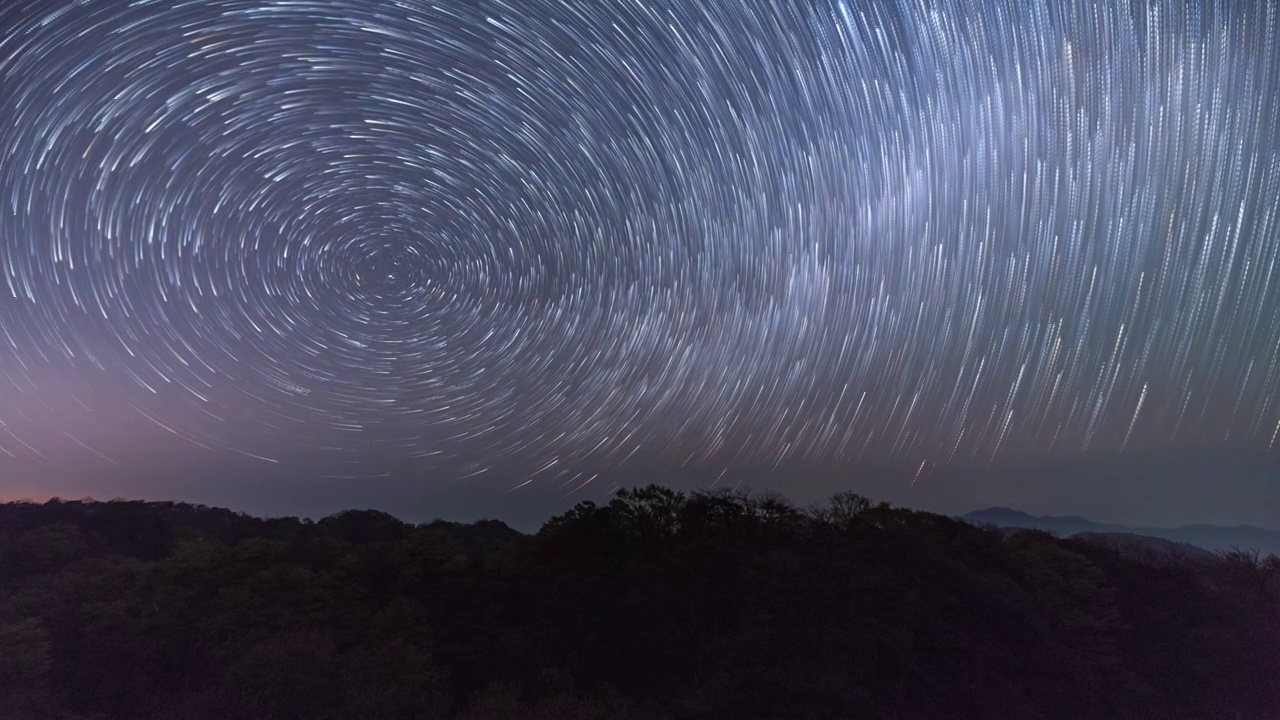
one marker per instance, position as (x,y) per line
(1209,537)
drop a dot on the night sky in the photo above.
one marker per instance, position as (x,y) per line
(535,249)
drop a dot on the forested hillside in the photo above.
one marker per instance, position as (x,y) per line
(659,604)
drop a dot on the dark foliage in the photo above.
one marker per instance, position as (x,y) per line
(659,604)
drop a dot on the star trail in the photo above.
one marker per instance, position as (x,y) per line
(568,235)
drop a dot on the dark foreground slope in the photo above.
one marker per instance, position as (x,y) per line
(658,605)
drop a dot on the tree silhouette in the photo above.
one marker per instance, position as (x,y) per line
(657,604)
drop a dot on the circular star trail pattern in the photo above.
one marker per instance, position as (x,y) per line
(571,234)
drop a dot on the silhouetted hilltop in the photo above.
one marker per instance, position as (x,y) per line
(658,604)
(1154,550)
(1209,537)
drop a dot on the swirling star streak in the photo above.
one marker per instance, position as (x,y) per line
(567,234)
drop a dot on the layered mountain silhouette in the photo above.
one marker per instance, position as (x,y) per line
(1184,540)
